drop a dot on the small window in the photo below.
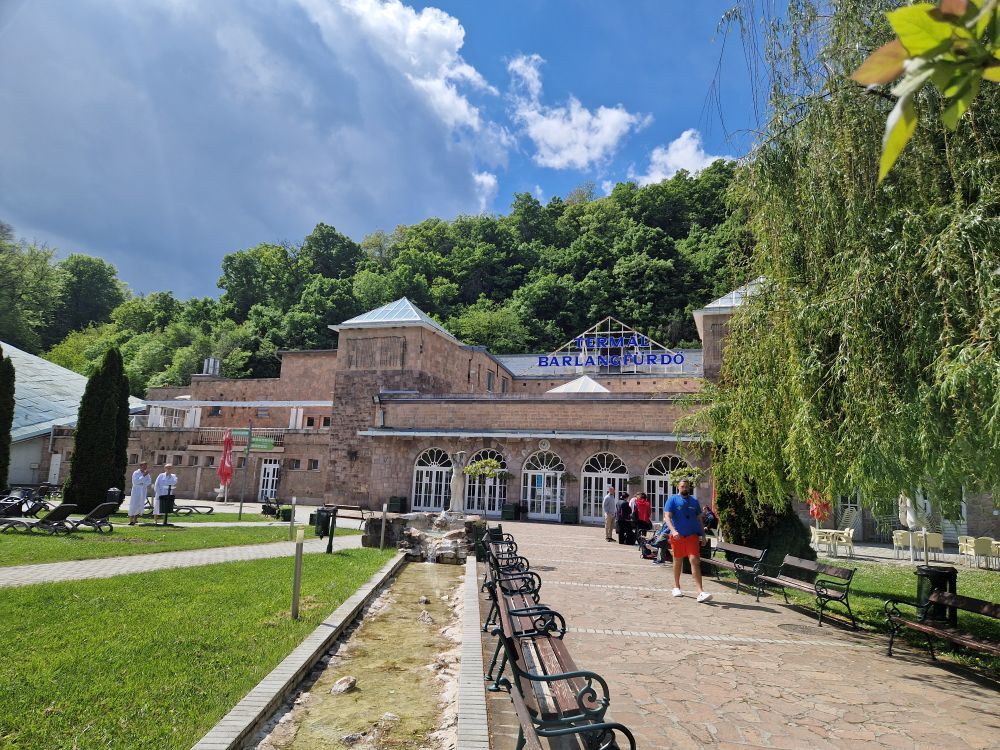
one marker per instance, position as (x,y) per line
(263,411)
(133,458)
(209,460)
(161,459)
(178,460)
(313,464)
(193,460)
(215,411)
(490,377)
(504,385)
(310,421)
(326,421)
(294,463)
(241,462)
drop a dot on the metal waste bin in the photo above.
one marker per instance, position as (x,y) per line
(166,504)
(323,516)
(114,496)
(936,578)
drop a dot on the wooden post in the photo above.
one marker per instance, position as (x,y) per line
(381,538)
(297,578)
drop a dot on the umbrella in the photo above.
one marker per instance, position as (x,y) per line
(226,465)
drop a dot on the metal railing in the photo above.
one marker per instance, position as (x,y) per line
(215,435)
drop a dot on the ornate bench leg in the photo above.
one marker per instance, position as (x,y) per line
(489,617)
(499,683)
(893,629)
(493,662)
(854,623)
(821,603)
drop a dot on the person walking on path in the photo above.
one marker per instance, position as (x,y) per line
(609,513)
(683,516)
(137,498)
(623,515)
(165,484)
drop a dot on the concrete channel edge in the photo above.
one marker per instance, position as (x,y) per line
(247,716)
(473,731)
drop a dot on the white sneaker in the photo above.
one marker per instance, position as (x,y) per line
(677,592)
(704,596)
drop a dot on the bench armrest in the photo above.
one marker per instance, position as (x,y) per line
(592,699)
(748,565)
(605,734)
(824,585)
(771,570)
(544,621)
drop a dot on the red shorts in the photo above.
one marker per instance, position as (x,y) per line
(684,546)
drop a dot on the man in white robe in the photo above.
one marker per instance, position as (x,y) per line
(164,485)
(140,487)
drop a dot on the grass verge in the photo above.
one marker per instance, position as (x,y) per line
(23,548)
(225,517)
(874,583)
(154,660)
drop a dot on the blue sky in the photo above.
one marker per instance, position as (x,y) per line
(163,134)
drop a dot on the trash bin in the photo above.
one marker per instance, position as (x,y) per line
(323,516)
(397,504)
(114,496)
(936,578)
(166,504)
(569,515)
(509,512)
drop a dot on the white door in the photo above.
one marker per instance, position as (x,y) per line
(269,473)
(542,486)
(486,495)
(432,481)
(659,487)
(54,466)
(601,471)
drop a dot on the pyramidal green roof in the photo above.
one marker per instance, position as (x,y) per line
(402,312)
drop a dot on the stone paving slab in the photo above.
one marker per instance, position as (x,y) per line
(735,673)
(250,713)
(75,570)
(473,732)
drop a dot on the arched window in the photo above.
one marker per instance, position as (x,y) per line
(602,470)
(431,480)
(542,485)
(486,495)
(658,484)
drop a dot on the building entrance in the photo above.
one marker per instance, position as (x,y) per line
(601,471)
(659,486)
(270,470)
(432,481)
(542,487)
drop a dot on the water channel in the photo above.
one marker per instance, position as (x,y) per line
(404,657)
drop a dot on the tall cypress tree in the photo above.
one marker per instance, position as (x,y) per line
(120,461)
(95,438)
(6,414)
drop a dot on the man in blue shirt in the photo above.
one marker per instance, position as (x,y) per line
(682,514)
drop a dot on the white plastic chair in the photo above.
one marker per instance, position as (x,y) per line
(983,547)
(900,541)
(966,547)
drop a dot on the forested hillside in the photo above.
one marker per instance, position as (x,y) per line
(526,281)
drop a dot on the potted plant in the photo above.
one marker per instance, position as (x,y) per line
(690,473)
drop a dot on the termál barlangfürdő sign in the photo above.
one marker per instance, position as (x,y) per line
(587,343)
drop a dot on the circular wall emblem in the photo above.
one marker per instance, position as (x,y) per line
(543,445)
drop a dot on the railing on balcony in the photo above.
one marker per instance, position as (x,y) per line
(215,435)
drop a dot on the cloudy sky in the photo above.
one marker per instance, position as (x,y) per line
(163,134)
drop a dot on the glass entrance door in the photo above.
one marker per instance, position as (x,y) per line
(542,486)
(270,469)
(601,471)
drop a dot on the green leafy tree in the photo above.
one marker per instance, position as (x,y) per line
(29,293)
(7,378)
(95,439)
(497,327)
(327,252)
(89,290)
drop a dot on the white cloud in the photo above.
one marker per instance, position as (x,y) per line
(607,186)
(486,189)
(567,136)
(684,152)
(539,193)
(423,46)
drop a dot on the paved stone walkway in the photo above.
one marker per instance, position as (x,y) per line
(735,673)
(25,575)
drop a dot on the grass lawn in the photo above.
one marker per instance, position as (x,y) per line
(874,583)
(122,518)
(154,660)
(23,548)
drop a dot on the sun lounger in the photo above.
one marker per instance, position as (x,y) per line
(54,522)
(99,519)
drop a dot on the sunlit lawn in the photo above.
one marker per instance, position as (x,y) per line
(154,660)
(22,548)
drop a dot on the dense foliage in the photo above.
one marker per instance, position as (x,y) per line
(42,300)
(777,530)
(6,414)
(527,281)
(100,438)
(870,358)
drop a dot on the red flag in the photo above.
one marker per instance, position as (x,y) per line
(226,465)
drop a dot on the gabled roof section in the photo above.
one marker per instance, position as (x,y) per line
(45,394)
(402,312)
(583,384)
(735,298)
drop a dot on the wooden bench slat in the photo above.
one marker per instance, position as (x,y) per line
(967,603)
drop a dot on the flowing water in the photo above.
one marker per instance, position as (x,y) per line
(404,656)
